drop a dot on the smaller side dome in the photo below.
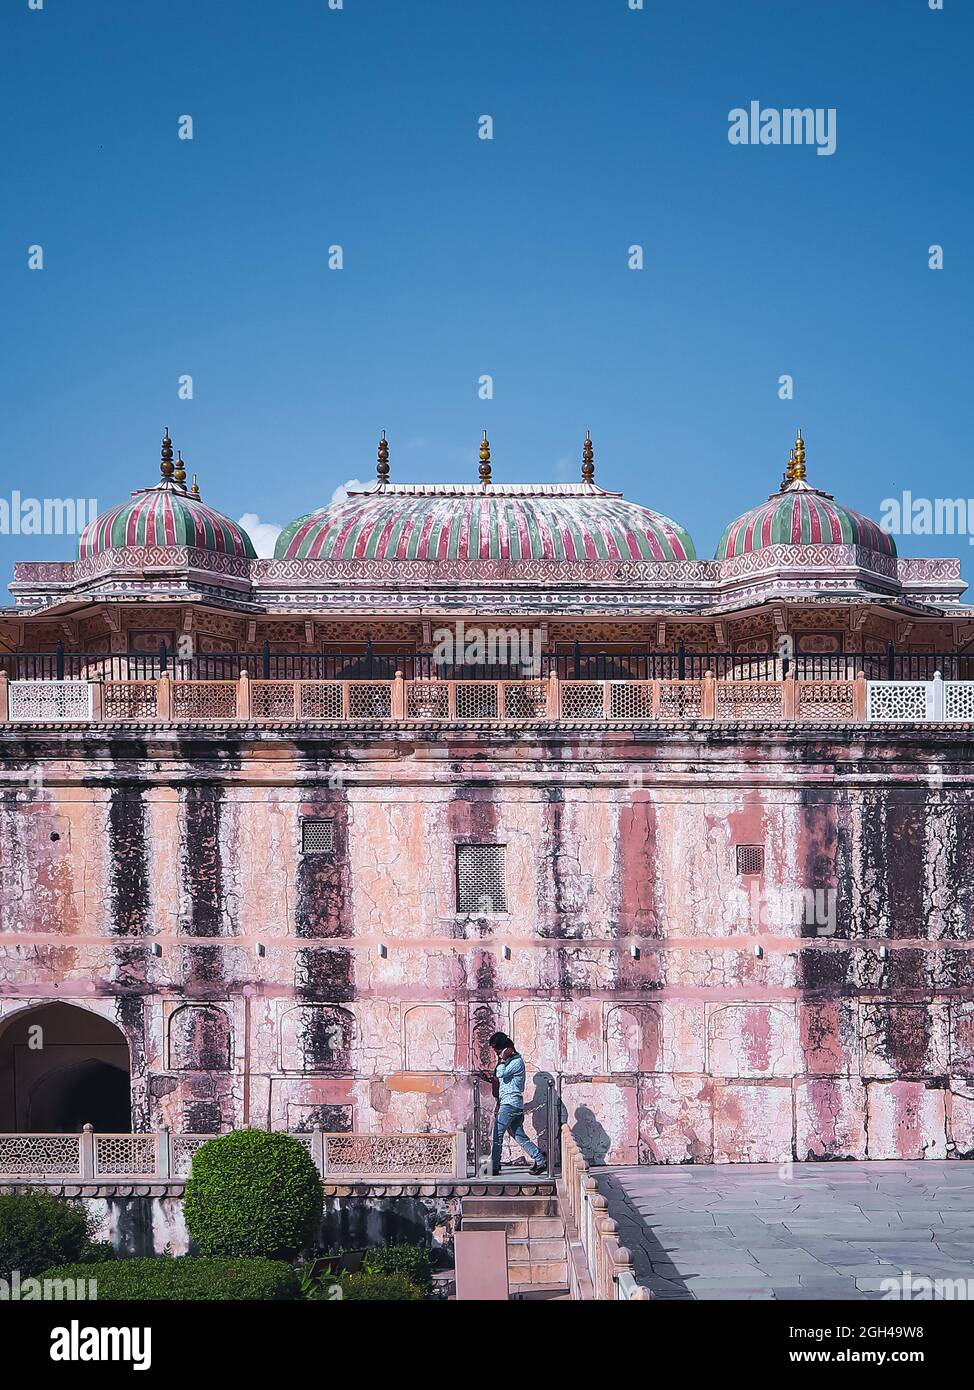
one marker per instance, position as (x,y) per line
(799,514)
(168,514)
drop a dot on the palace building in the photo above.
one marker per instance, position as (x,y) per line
(696,832)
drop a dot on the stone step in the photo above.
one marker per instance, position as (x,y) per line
(513,1208)
(545,1226)
(534,1251)
(517,1227)
(542,1293)
(537,1250)
(534,1272)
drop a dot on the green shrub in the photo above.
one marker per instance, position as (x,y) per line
(252,1193)
(98,1252)
(379,1288)
(38,1229)
(413,1261)
(186,1279)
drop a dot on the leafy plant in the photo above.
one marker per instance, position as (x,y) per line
(379,1288)
(252,1194)
(412,1261)
(186,1278)
(38,1229)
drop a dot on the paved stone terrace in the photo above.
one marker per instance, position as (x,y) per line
(827,1231)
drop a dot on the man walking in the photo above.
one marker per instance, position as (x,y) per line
(507,1082)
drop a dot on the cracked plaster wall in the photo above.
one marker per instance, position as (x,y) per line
(632,973)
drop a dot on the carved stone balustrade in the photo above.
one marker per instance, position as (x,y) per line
(548,700)
(160,1156)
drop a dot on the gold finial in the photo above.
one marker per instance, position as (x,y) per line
(195,489)
(485,460)
(166,466)
(798,467)
(588,459)
(179,477)
(789,469)
(382,466)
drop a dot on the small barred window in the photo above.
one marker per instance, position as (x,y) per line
(317,837)
(750,859)
(480,878)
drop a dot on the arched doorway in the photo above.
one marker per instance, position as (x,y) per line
(62,1067)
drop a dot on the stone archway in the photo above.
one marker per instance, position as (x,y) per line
(62,1067)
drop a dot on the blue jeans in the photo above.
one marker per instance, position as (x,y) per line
(509,1120)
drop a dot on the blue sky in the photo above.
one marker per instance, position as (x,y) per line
(465,257)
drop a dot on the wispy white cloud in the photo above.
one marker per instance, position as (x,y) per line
(264,534)
(341,493)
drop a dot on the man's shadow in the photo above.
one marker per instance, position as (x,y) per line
(536,1109)
(590,1136)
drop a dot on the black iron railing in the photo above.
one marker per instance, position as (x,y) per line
(579,664)
(684,665)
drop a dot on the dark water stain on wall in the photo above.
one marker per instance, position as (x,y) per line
(13,859)
(845,918)
(901,1035)
(954,870)
(132,1227)
(325,1039)
(200,1038)
(128,857)
(130,1014)
(908,971)
(485,973)
(957,970)
(322,907)
(323,902)
(871,868)
(553,893)
(365,1221)
(333,1119)
(207,910)
(129,969)
(639,915)
(130,1017)
(202,1116)
(202,868)
(818,878)
(204,971)
(824,973)
(484,1022)
(207,1100)
(880,876)
(325,974)
(472,816)
(906,858)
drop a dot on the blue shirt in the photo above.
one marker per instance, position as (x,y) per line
(511,1078)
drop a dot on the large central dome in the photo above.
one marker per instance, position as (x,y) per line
(457,522)
(442,524)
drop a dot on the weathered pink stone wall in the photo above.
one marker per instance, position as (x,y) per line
(633,975)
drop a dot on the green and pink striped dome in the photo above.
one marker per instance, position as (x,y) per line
(800,515)
(570,522)
(164,516)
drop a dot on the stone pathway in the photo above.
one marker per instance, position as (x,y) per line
(829,1230)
